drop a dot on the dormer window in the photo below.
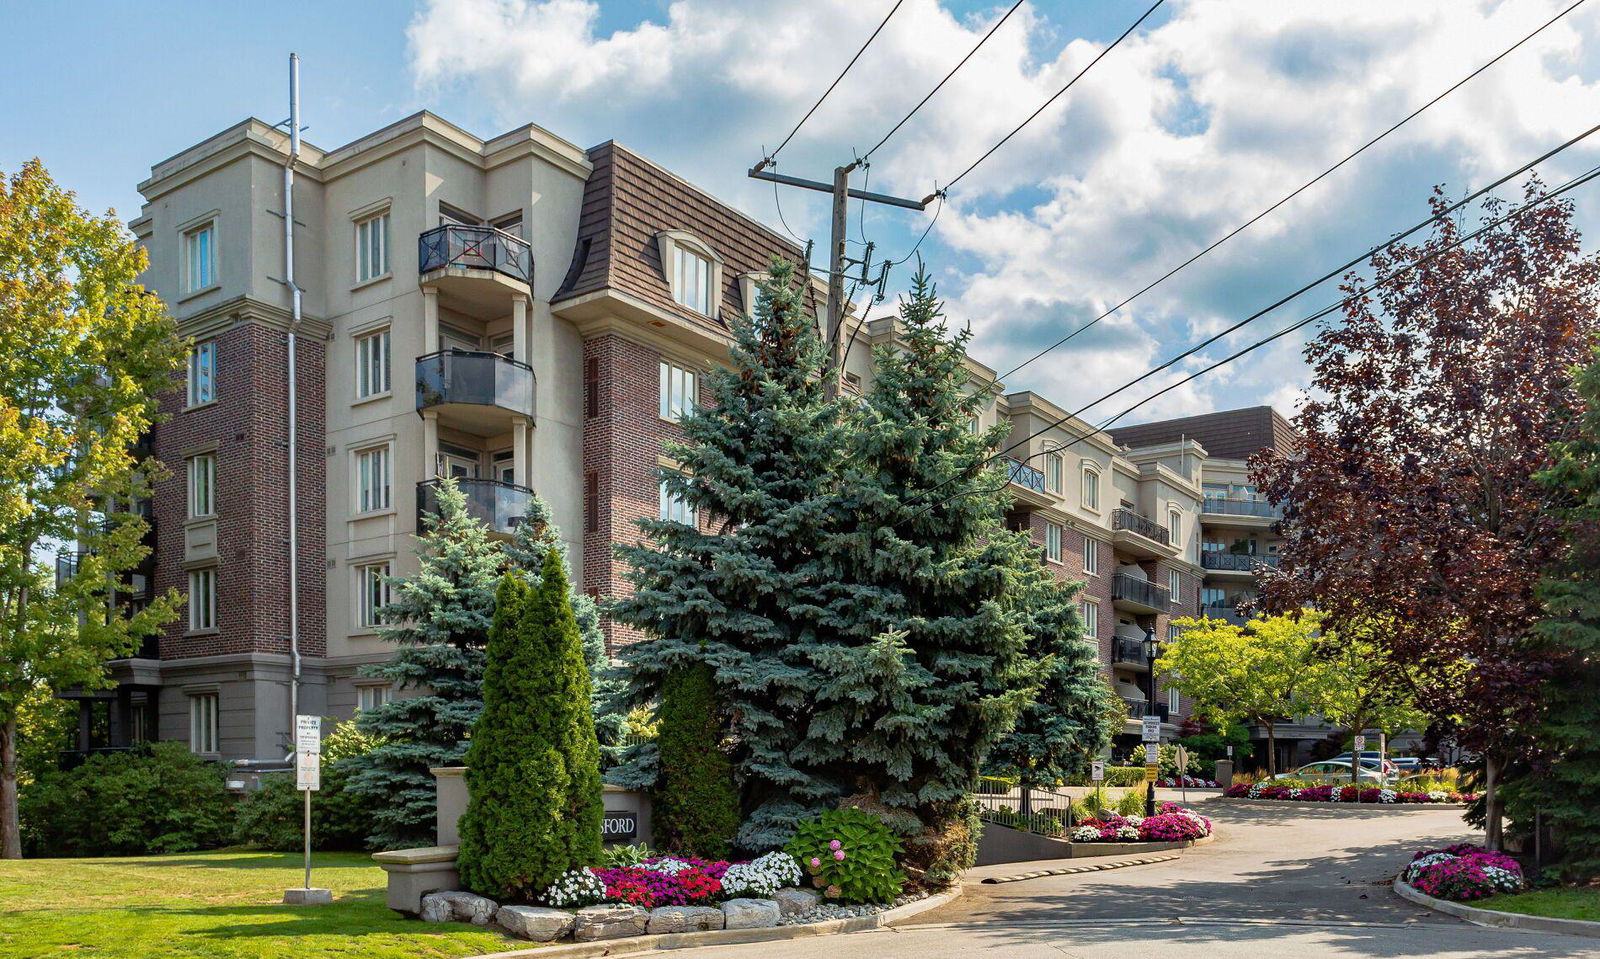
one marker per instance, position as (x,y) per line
(693,271)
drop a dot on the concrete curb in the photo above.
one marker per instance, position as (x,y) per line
(1492,917)
(634,945)
(1074,870)
(1303,803)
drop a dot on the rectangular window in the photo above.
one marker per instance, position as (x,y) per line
(1052,542)
(1175,526)
(1173,632)
(202,373)
(678,394)
(203,723)
(372,479)
(372,247)
(1091,488)
(200,258)
(1054,470)
(202,599)
(675,509)
(1212,598)
(1091,556)
(373,580)
(1174,584)
(1091,619)
(692,280)
(202,485)
(372,364)
(1172,700)
(369,698)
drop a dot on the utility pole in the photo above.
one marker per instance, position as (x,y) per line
(842,193)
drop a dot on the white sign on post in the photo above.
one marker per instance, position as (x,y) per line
(1150,729)
(1361,743)
(308,734)
(1097,770)
(1152,753)
(307,771)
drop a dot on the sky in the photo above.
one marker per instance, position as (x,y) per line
(1207,114)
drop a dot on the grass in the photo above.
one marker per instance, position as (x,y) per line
(217,904)
(1569,903)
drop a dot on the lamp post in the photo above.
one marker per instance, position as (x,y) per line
(1152,649)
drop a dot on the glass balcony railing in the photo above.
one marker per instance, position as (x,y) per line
(1142,592)
(1025,476)
(474,378)
(477,248)
(1129,652)
(1138,709)
(1126,519)
(500,506)
(1236,506)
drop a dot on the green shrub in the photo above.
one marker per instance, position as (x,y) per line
(533,765)
(861,867)
(273,817)
(618,857)
(157,799)
(695,807)
(1131,803)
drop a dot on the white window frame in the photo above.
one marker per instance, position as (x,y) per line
(1174,584)
(1052,542)
(370,696)
(373,356)
(1055,471)
(1091,488)
(372,593)
(202,373)
(1089,612)
(1172,700)
(202,599)
(205,713)
(202,485)
(200,258)
(676,510)
(1175,525)
(692,279)
(373,497)
(1091,556)
(680,390)
(372,247)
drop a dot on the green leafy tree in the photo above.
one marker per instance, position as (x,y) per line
(533,768)
(759,464)
(1262,673)
(1359,689)
(84,351)
(1563,785)
(696,808)
(535,536)
(440,619)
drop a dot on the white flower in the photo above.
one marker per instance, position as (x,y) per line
(1294,792)
(1503,880)
(1255,790)
(1386,795)
(1086,834)
(1128,832)
(1133,820)
(1423,862)
(763,877)
(576,887)
(1437,795)
(666,865)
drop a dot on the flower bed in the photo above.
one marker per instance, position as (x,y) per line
(1172,823)
(670,881)
(1327,792)
(1463,873)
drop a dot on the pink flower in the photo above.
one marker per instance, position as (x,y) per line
(815,862)
(839,854)
(836,845)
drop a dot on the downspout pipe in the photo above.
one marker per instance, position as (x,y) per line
(294,329)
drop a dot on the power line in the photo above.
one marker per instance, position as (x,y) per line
(941,83)
(1445,212)
(1299,190)
(1055,96)
(864,46)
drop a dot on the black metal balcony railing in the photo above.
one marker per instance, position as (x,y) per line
(500,506)
(1126,519)
(477,248)
(67,563)
(476,378)
(1234,506)
(1024,475)
(1138,709)
(1135,590)
(1236,562)
(1129,651)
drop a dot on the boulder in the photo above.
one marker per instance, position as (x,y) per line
(684,919)
(792,902)
(458,907)
(610,921)
(536,922)
(749,914)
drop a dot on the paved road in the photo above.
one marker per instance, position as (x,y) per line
(1290,882)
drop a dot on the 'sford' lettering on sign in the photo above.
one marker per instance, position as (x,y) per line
(619,825)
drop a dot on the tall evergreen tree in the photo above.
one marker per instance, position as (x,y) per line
(1563,784)
(696,810)
(533,767)
(758,468)
(919,654)
(440,619)
(535,537)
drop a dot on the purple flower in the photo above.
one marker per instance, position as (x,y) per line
(815,862)
(839,854)
(836,845)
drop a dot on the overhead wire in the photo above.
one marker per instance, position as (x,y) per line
(774,155)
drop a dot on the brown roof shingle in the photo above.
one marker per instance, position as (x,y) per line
(1230,434)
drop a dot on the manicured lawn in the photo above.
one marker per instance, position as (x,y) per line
(1554,903)
(213,904)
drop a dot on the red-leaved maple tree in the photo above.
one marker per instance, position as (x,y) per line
(1411,495)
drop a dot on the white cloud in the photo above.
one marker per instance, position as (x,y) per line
(1178,135)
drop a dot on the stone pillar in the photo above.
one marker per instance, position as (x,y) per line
(523,475)
(430,443)
(430,320)
(520,340)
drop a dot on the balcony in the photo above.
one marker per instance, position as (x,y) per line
(477,268)
(1139,709)
(67,563)
(1139,535)
(474,391)
(500,506)
(1129,653)
(1225,613)
(1024,475)
(1246,563)
(1138,595)
(1252,512)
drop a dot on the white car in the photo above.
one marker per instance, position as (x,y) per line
(1335,771)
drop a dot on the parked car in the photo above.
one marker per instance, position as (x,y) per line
(1406,764)
(1333,770)
(1371,758)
